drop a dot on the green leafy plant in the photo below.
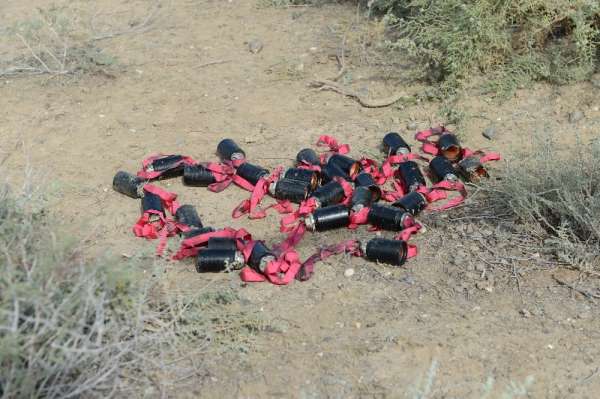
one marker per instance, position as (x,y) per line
(516,41)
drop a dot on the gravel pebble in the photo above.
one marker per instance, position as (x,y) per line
(349,272)
(255,46)
(490,132)
(575,116)
(412,125)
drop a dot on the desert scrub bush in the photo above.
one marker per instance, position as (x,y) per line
(555,194)
(514,41)
(71,327)
(52,43)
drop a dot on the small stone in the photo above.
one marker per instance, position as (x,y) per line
(349,272)
(484,286)
(575,116)
(490,132)
(249,139)
(412,125)
(255,46)
(470,229)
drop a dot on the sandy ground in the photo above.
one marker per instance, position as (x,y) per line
(436,328)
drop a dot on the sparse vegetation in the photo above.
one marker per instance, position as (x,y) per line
(514,42)
(76,328)
(554,192)
(52,45)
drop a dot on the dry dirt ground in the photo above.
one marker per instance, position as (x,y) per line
(456,322)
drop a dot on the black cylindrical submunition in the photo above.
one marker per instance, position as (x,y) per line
(260,257)
(329,194)
(128,184)
(328,218)
(393,144)
(364,179)
(410,175)
(215,260)
(152,202)
(441,169)
(309,176)
(413,202)
(187,214)
(361,197)
(291,190)
(222,243)
(197,175)
(472,169)
(252,173)
(389,218)
(197,231)
(347,164)
(382,250)
(228,150)
(308,156)
(449,146)
(329,171)
(168,162)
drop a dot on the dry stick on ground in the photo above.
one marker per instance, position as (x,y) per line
(143,26)
(323,84)
(330,84)
(583,292)
(212,63)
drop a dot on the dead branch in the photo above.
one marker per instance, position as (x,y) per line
(583,292)
(323,84)
(143,26)
(212,63)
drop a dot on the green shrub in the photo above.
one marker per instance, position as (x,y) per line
(72,327)
(516,41)
(555,193)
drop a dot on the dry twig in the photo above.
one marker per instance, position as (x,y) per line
(323,84)
(583,292)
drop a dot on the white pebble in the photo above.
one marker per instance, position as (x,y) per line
(349,272)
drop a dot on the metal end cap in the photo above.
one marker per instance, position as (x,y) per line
(309,221)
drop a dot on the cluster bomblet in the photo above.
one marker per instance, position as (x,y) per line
(228,150)
(328,218)
(381,250)
(220,254)
(251,173)
(410,175)
(440,168)
(328,194)
(187,214)
(152,204)
(260,257)
(128,184)
(289,189)
(366,192)
(449,146)
(308,156)
(172,165)
(413,203)
(350,166)
(197,176)
(310,177)
(394,144)
(472,169)
(389,218)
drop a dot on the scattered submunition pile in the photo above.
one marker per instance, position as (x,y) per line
(322,191)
